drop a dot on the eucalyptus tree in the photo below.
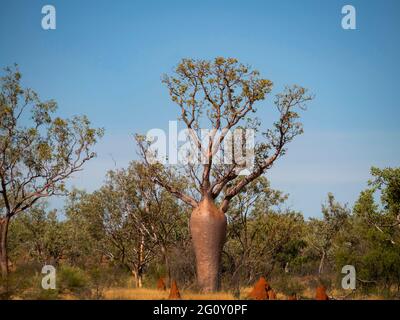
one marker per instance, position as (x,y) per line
(149,219)
(371,239)
(246,225)
(386,217)
(222,96)
(322,232)
(38,151)
(38,234)
(129,219)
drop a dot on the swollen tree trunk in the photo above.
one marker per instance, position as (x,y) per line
(208,230)
(4,222)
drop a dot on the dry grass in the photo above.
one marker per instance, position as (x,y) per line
(134,294)
(121,293)
(153,294)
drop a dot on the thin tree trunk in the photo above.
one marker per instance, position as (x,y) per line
(167,265)
(4,223)
(321,263)
(208,230)
(139,277)
(135,276)
(235,282)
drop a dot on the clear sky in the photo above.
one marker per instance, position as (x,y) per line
(105,59)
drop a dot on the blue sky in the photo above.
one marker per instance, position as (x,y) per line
(106,58)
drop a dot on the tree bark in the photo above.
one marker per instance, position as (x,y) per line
(208,230)
(139,279)
(139,271)
(137,274)
(4,223)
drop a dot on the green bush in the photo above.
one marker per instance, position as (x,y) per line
(72,279)
(288,285)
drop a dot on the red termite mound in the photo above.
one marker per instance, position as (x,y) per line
(320,293)
(161,284)
(260,290)
(174,292)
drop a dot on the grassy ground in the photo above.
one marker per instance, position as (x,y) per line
(121,293)
(153,294)
(127,291)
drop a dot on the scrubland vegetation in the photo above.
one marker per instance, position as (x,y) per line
(100,253)
(118,241)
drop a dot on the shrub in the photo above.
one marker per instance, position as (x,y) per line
(288,285)
(72,279)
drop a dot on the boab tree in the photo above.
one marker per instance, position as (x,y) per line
(222,93)
(38,152)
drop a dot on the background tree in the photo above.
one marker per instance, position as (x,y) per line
(321,234)
(386,218)
(225,93)
(371,241)
(261,235)
(84,230)
(39,234)
(131,220)
(243,231)
(38,152)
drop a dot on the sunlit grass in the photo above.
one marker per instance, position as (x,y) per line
(153,294)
